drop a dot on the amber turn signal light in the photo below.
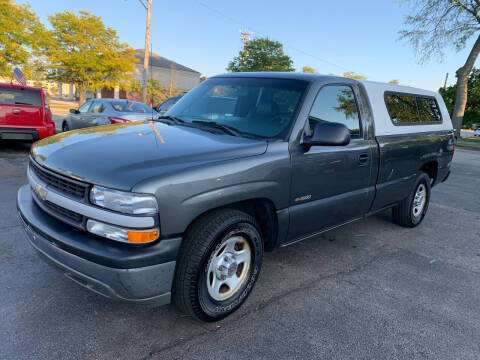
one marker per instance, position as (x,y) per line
(142,236)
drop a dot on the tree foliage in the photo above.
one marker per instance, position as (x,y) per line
(309,70)
(472,109)
(353,75)
(347,104)
(85,52)
(350,75)
(155,91)
(21,34)
(261,54)
(394,81)
(438,24)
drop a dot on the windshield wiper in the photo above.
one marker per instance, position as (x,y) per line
(225,128)
(167,119)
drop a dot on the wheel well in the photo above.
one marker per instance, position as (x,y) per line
(264,211)
(431,169)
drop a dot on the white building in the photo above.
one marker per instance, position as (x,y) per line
(170,74)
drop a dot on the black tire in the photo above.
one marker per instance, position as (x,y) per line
(404,214)
(201,242)
(65,127)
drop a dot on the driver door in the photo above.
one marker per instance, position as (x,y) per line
(331,185)
(77,120)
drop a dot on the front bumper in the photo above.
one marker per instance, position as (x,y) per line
(122,272)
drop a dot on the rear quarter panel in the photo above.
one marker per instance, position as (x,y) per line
(403,156)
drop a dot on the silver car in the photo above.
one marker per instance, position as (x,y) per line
(477,131)
(107,111)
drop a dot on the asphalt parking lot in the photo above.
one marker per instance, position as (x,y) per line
(369,290)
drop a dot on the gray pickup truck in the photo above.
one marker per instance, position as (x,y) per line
(182,208)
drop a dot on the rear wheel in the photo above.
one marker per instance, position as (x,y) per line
(411,211)
(65,127)
(218,266)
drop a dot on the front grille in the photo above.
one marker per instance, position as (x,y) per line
(69,187)
(59,212)
(64,212)
(63,184)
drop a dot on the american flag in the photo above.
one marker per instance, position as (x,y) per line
(18,75)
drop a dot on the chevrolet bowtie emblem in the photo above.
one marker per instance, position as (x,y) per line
(40,191)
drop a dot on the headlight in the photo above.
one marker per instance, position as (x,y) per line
(122,201)
(120,234)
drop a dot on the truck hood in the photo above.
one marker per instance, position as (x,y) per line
(121,155)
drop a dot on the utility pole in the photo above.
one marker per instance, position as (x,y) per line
(245,36)
(445,83)
(148,7)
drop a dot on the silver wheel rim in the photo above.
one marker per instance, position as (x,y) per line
(228,267)
(419,200)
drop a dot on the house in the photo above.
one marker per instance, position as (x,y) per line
(171,75)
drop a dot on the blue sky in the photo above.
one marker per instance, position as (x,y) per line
(330,36)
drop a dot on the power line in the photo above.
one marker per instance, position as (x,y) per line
(265,35)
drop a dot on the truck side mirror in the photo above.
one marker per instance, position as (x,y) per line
(332,134)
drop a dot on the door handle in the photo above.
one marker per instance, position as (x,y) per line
(16,111)
(363,159)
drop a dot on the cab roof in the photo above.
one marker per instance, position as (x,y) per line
(281,75)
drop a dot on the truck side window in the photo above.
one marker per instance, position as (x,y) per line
(407,109)
(336,104)
(402,108)
(428,110)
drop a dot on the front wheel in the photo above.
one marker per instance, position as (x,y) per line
(218,266)
(65,127)
(411,211)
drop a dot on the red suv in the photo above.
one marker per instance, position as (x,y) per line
(24,113)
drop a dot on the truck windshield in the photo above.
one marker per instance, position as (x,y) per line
(253,106)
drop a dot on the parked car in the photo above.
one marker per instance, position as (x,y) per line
(107,111)
(184,207)
(477,131)
(167,104)
(24,113)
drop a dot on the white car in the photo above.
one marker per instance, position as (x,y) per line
(477,131)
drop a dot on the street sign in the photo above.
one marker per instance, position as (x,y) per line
(143,80)
(18,75)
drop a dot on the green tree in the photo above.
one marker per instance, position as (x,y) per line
(261,54)
(472,107)
(87,53)
(154,91)
(437,24)
(394,81)
(309,70)
(21,34)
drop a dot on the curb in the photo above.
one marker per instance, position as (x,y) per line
(466,147)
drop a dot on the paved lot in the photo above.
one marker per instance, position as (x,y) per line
(369,290)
